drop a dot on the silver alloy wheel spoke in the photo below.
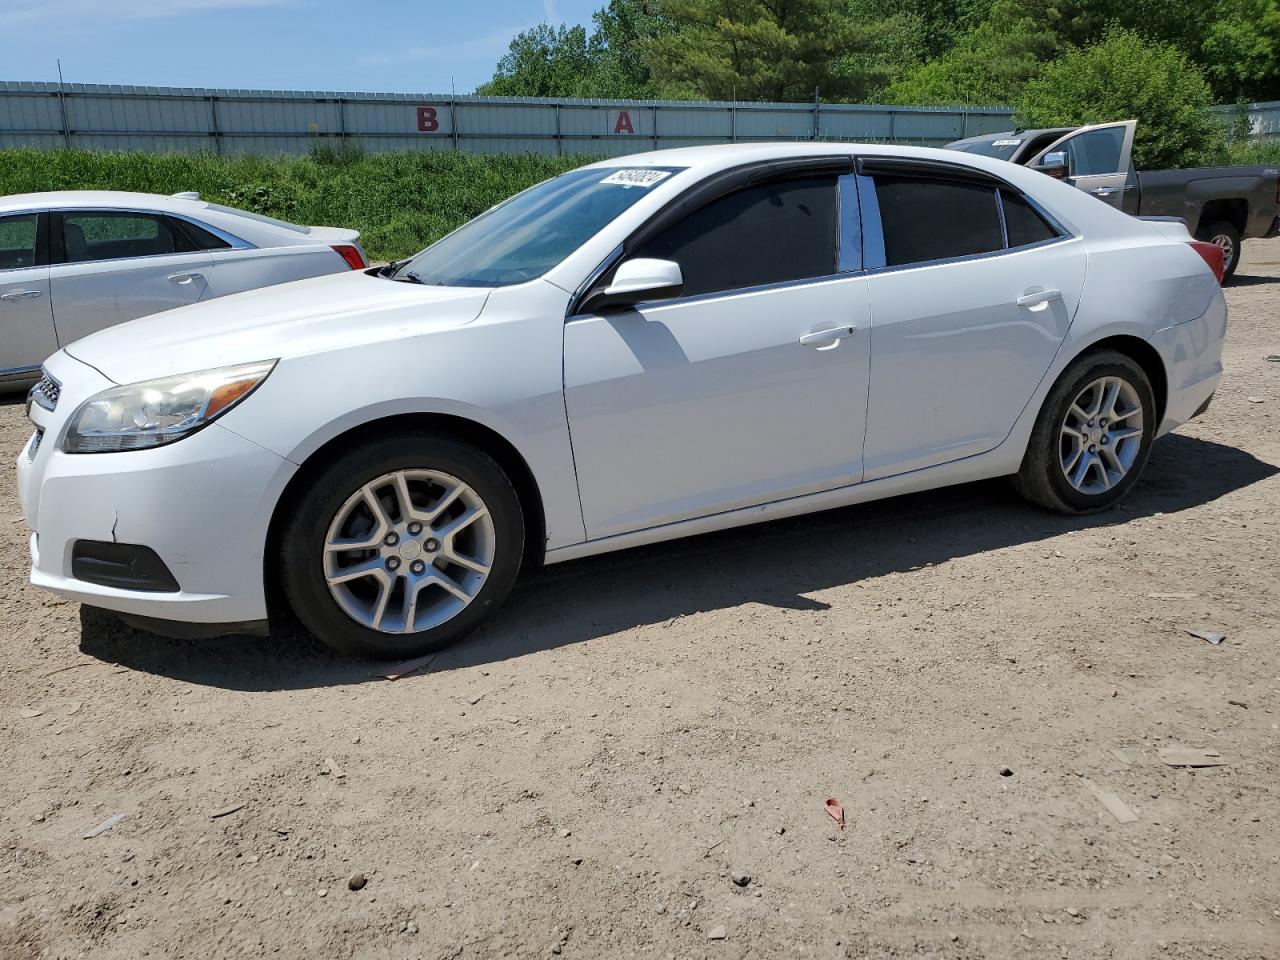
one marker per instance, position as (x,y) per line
(1101,435)
(409,551)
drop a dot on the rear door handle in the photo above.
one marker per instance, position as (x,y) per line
(185,278)
(827,338)
(1038,297)
(1104,191)
(21,294)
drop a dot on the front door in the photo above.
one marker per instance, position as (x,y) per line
(26,322)
(748,387)
(1097,159)
(113,266)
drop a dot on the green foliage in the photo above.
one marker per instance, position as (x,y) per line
(989,65)
(400,202)
(1123,76)
(564,61)
(1240,50)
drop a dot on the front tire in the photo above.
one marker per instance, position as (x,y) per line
(402,546)
(1224,235)
(1092,438)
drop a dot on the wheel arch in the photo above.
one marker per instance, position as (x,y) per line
(1234,210)
(457,427)
(1140,352)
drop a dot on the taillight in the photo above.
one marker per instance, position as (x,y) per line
(1213,256)
(351,254)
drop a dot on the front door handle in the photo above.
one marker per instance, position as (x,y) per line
(185,278)
(826,339)
(1038,297)
(21,294)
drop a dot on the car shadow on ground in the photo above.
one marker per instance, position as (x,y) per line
(778,564)
(1244,280)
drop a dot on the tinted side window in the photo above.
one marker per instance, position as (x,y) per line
(201,239)
(107,235)
(927,219)
(18,241)
(1023,223)
(1095,152)
(770,233)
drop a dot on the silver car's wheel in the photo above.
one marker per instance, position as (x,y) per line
(1101,435)
(409,551)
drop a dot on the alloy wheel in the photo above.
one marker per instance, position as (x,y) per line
(409,551)
(1101,435)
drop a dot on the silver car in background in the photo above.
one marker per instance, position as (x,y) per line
(72,263)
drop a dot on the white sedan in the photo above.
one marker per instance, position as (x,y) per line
(72,263)
(637,350)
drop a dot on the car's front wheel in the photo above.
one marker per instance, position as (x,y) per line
(1093,436)
(402,546)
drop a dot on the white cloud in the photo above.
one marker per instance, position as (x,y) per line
(81,12)
(549,12)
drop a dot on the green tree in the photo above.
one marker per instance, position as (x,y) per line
(1240,50)
(620,45)
(769,49)
(988,65)
(1125,76)
(545,61)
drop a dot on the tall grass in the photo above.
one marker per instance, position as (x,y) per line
(400,202)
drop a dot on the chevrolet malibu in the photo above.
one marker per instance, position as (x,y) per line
(635,351)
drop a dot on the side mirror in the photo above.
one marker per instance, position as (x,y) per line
(636,281)
(1054,164)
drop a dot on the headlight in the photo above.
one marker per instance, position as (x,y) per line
(156,412)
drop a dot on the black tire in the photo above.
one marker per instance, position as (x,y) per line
(1226,236)
(1042,478)
(301,546)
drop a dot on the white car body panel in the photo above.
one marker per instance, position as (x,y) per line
(684,417)
(86,296)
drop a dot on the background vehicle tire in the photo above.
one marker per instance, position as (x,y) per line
(1224,235)
(1092,438)
(402,546)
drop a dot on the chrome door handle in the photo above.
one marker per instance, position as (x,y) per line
(1104,191)
(829,337)
(1039,297)
(21,294)
(185,278)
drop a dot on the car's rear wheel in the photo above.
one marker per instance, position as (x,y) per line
(1093,436)
(402,546)
(1223,235)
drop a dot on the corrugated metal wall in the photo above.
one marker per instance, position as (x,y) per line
(159,119)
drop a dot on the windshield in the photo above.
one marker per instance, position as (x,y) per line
(529,234)
(1001,149)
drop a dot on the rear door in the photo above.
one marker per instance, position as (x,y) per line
(26,322)
(972,290)
(1097,159)
(110,266)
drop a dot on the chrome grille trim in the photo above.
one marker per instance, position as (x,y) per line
(46,392)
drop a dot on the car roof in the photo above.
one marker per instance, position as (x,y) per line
(1009,135)
(257,229)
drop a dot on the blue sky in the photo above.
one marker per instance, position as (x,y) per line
(383,45)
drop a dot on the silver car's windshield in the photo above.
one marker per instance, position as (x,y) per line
(529,234)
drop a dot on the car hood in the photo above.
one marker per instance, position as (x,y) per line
(287,320)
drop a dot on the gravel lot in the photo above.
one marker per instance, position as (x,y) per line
(587,775)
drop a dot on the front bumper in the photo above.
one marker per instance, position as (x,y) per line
(203,504)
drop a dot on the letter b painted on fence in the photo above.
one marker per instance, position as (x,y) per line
(428,122)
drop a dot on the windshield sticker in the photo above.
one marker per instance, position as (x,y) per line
(637,178)
(1005,143)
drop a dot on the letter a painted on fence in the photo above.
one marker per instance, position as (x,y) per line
(623,124)
(427,121)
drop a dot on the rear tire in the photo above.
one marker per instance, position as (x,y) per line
(372,575)
(1224,235)
(1092,438)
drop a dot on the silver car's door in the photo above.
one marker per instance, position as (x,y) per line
(26,322)
(730,394)
(1097,158)
(110,266)
(964,322)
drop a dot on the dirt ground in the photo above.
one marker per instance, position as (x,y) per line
(586,777)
